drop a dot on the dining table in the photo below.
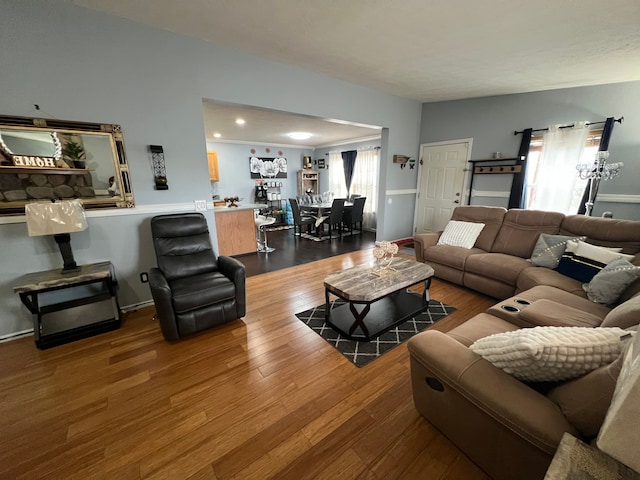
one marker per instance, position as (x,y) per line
(320,211)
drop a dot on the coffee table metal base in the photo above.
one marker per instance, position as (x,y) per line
(364,321)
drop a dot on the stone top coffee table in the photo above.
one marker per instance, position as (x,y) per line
(376,303)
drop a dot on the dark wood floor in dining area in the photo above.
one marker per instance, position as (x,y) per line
(291,250)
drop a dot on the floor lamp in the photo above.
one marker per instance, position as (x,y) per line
(57,218)
(598,170)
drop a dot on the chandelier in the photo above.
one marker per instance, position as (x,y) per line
(596,171)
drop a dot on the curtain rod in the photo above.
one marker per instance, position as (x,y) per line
(619,120)
(361,149)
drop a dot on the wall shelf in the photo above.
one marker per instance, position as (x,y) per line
(44,171)
(495,166)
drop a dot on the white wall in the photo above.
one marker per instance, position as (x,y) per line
(82,65)
(491,121)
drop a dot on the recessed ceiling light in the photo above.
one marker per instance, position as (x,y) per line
(240,121)
(216,135)
(299,135)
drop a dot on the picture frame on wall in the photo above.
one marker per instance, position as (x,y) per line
(321,163)
(268,167)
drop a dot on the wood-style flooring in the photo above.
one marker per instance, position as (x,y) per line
(263,397)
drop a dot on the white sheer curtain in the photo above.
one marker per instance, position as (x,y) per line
(365,184)
(552,183)
(337,185)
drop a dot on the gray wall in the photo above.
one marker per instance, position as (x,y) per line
(82,65)
(491,121)
(233,166)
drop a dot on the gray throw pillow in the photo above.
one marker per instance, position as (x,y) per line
(549,249)
(608,284)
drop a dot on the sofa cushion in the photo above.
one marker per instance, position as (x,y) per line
(480,326)
(625,315)
(585,400)
(583,261)
(545,312)
(549,249)
(460,234)
(538,276)
(521,228)
(608,284)
(607,232)
(547,354)
(560,296)
(447,255)
(490,216)
(497,266)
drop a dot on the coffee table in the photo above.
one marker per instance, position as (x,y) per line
(376,303)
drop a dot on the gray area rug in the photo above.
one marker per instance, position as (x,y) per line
(361,353)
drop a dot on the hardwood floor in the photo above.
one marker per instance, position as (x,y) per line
(259,398)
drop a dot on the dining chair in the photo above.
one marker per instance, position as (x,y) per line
(299,219)
(335,217)
(316,198)
(303,200)
(354,215)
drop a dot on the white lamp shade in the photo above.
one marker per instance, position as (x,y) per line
(50,218)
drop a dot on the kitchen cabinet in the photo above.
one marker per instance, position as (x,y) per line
(212,157)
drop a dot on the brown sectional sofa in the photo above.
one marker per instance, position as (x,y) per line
(498,263)
(511,429)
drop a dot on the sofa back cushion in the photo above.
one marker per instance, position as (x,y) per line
(521,228)
(490,216)
(585,400)
(625,315)
(606,232)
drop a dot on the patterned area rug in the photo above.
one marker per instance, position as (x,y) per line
(361,353)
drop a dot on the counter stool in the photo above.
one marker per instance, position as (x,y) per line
(261,223)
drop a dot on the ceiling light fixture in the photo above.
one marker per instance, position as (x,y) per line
(299,135)
(216,135)
(240,121)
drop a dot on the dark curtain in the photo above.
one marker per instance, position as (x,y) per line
(349,160)
(603,147)
(518,195)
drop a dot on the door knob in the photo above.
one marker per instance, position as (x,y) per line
(456,201)
(457,194)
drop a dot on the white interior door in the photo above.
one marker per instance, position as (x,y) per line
(440,183)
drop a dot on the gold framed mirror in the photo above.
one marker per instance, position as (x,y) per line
(60,159)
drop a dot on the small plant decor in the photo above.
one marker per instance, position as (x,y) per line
(75,152)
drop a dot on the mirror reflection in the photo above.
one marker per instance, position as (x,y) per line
(57,159)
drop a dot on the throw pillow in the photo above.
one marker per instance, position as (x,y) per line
(608,284)
(460,234)
(582,261)
(548,354)
(549,249)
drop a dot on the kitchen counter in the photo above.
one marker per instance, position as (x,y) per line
(236,229)
(240,207)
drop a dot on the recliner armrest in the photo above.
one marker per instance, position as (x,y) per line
(424,240)
(515,405)
(234,270)
(161,293)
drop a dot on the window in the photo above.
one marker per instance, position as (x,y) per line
(540,178)
(363,183)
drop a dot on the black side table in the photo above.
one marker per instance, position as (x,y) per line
(70,306)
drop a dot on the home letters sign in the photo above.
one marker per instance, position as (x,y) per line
(34,162)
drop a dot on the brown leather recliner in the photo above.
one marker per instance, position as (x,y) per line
(192,288)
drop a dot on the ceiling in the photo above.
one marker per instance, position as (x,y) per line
(270,127)
(426,50)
